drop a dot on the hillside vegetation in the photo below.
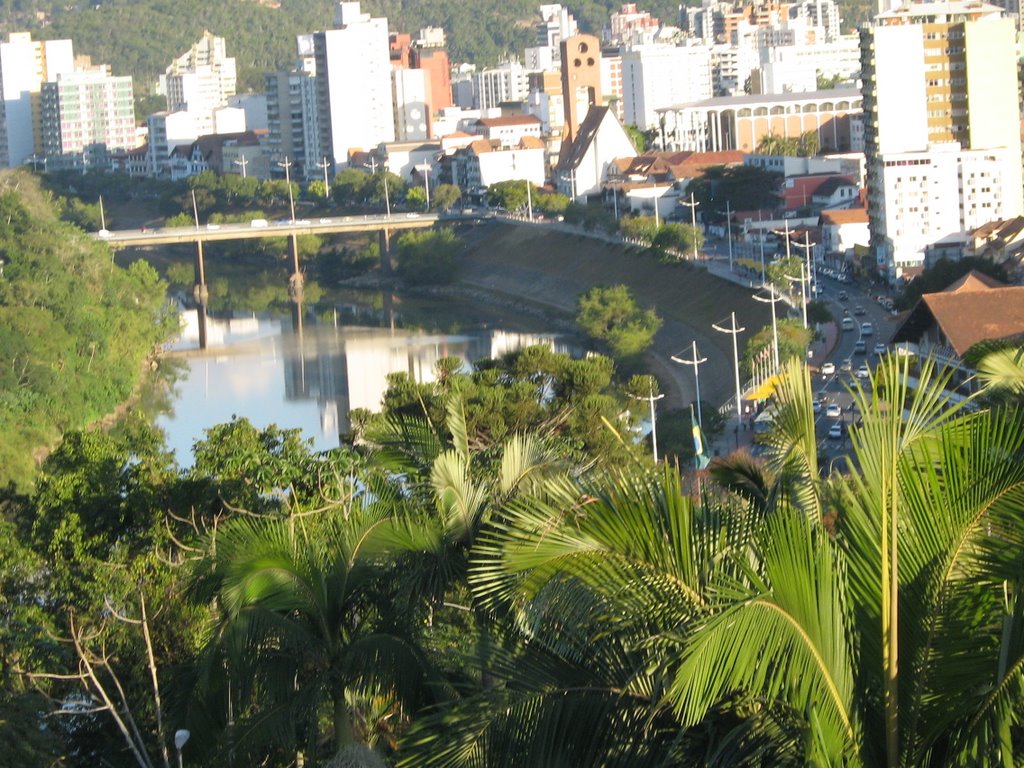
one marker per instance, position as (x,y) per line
(74,328)
(141,37)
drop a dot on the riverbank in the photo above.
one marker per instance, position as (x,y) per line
(550,268)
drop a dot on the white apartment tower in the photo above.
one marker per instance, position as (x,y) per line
(25,64)
(942,136)
(658,76)
(85,116)
(353,72)
(201,79)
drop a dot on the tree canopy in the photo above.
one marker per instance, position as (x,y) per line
(610,314)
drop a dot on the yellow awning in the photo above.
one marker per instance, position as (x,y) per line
(766,390)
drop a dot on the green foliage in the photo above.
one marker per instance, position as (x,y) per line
(794,340)
(594,217)
(943,274)
(510,195)
(551,204)
(428,256)
(806,145)
(443,197)
(642,227)
(610,314)
(637,137)
(818,313)
(744,187)
(74,328)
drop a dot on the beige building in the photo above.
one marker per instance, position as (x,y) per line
(942,135)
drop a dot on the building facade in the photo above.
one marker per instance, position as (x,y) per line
(942,131)
(657,76)
(85,116)
(353,72)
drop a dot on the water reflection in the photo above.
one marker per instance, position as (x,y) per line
(310,376)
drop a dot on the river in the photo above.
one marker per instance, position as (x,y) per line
(309,375)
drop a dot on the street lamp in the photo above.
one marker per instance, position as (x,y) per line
(760,240)
(695,362)
(654,428)
(372,165)
(288,180)
(195,209)
(425,169)
(775,325)
(529,205)
(807,245)
(735,331)
(181,738)
(728,227)
(242,161)
(803,291)
(693,221)
(327,184)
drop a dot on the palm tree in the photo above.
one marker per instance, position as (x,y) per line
(309,622)
(870,618)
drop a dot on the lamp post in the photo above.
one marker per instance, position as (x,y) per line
(775,325)
(760,240)
(103,218)
(425,169)
(529,201)
(695,362)
(242,161)
(803,291)
(807,245)
(195,209)
(373,169)
(324,165)
(181,738)
(735,331)
(651,398)
(288,180)
(693,221)
(728,228)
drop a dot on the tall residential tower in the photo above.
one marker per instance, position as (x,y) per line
(941,129)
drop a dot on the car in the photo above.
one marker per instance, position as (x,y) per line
(326,221)
(835,432)
(412,215)
(859,310)
(104,233)
(846,366)
(828,369)
(880,348)
(816,406)
(866,329)
(844,277)
(834,411)
(258,223)
(863,372)
(213,226)
(843,296)
(302,222)
(860,347)
(848,324)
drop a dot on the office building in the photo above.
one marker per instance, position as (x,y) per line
(942,130)
(85,116)
(658,76)
(353,73)
(25,64)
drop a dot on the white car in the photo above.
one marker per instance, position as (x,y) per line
(880,348)
(104,233)
(816,406)
(863,372)
(828,369)
(834,411)
(835,432)
(325,221)
(213,226)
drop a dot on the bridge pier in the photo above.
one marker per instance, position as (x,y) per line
(296,280)
(384,243)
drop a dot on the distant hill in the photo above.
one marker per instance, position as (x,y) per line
(141,37)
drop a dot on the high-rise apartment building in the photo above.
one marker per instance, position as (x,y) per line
(85,116)
(201,79)
(353,72)
(507,82)
(292,117)
(658,76)
(941,129)
(25,64)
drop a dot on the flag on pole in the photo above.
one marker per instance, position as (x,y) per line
(700,453)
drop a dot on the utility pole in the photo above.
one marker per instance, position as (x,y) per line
(728,227)
(775,325)
(736,362)
(327,184)
(288,180)
(693,221)
(695,362)
(811,281)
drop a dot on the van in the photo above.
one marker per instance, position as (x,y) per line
(258,223)
(848,324)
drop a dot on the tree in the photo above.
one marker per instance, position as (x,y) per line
(443,197)
(428,256)
(640,227)
(744,187)
(551,203)
(638,137)
(610,314)
(510,195)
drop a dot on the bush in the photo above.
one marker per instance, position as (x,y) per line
(428,257)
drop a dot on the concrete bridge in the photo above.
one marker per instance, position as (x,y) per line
(383,224)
